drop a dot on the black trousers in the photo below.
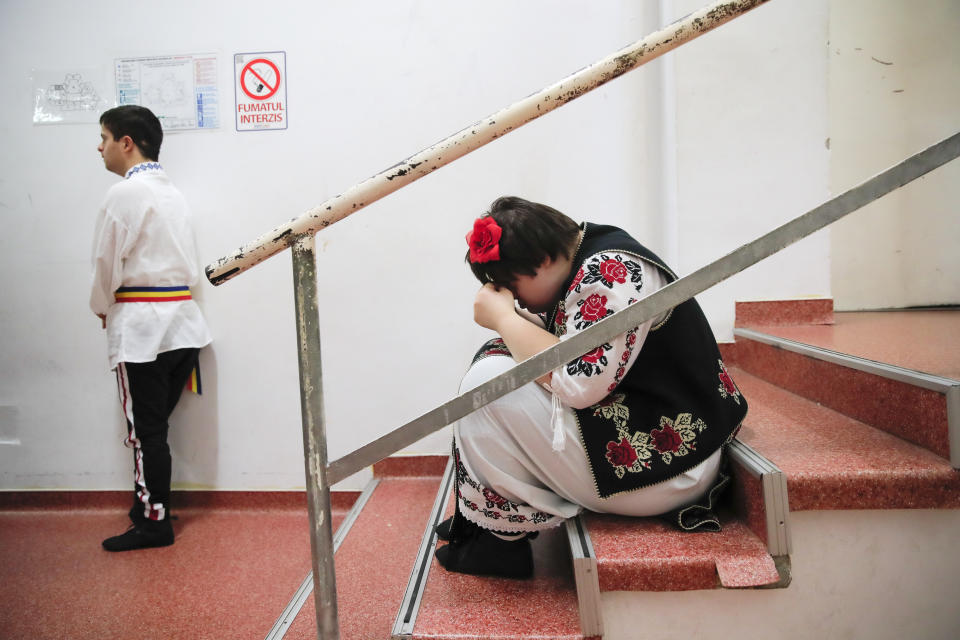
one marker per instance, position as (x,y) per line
(149,391)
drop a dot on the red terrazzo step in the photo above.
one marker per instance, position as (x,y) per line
(781,312)
(374,560)
(922,340)
(902,368)
(646,554)
(455,606)
(461,606)
(833,461)
(416,466)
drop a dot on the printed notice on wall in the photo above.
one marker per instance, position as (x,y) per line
(261,90)
(181,90)
(69,96)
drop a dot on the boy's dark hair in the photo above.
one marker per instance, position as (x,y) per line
(532,232)
(137,122)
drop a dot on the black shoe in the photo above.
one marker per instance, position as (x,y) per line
(142,536)
(484,554)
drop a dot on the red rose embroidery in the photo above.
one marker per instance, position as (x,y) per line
(621,454)
(576,280)
(728,383)
(613,271)
(631,339)
(593,356)
(484,240)
(494,497)
(666,439)
(561,319)
(594,308)
(620,372)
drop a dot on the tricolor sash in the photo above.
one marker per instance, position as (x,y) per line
(193,382)
(161,294)
(152,294)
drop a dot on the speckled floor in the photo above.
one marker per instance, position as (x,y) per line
(230,573)
(374,561)
(545,606)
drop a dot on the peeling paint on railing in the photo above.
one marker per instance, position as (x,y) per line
(477,135)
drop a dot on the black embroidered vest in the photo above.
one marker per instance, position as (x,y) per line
(676,405)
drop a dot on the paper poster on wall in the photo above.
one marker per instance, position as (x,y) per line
(69,96)
(181,90)
(260,88)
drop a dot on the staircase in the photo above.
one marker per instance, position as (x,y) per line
(841,522)
(845,453)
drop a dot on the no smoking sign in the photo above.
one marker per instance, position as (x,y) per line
(261,90)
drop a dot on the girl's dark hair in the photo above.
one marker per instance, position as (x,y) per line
(137,122)
(532,232)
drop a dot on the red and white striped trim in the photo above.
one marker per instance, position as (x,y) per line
(151,511)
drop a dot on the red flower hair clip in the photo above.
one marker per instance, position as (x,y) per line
(484,240)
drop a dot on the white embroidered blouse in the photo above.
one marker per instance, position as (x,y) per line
(605,283)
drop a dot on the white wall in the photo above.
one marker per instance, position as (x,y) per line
(751,132)
(895,90)
(369,84)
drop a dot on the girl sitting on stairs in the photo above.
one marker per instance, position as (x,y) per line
(634,427)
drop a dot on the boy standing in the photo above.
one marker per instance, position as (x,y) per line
(144,261)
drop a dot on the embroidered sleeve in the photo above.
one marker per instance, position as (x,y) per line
(605,283)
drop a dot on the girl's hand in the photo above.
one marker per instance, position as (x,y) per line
(492,305)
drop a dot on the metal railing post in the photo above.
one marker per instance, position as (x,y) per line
(314,436)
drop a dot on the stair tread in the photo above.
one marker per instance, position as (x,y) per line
(373,563)
(912,407)
(646,554)
(456,605)
(833,461)
(922,340)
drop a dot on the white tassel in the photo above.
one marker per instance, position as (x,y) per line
(556,420)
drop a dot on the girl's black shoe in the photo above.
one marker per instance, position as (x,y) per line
(484,554)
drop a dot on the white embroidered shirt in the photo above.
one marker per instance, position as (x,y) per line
(144,238)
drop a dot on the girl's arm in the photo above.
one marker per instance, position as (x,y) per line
(496,309)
